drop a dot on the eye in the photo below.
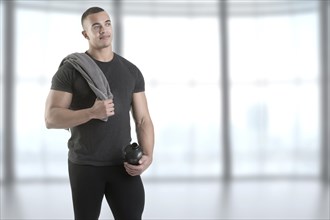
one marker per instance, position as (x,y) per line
(96,27)
(108,24)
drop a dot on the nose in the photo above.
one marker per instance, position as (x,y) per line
(101,30)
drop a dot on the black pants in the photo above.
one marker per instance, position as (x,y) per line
(124,193)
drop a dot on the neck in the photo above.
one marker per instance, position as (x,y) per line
(103,55)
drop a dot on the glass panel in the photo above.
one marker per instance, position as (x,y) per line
(274,131)
(275,95)
(40,152)
(275,48)
(179,58)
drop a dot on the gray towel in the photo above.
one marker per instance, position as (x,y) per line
(92,74)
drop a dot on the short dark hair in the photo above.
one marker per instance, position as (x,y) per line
(90,11)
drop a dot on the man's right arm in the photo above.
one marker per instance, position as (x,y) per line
(58,114)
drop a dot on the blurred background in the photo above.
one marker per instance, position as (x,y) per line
(238,91)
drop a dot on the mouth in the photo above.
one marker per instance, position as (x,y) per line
(105,37)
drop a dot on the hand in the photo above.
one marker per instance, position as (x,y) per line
(135,170)
(103,109)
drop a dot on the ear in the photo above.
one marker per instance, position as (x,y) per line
(85,35)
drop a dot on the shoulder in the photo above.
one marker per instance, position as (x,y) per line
(65,72)
(122,59)
(128,64)
(64,77)
(66,67)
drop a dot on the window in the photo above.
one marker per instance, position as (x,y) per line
(179,57)
(274,74)
(274,84)
(40,46)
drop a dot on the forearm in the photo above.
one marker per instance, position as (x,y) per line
(66,118)
(145,135)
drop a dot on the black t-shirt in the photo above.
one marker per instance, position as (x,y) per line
(97,142)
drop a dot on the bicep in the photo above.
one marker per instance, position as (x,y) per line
(58,99)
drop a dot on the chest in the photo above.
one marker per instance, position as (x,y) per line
(121,83)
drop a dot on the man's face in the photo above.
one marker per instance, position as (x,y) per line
(98,30)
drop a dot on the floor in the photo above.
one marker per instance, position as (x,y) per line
(201,199)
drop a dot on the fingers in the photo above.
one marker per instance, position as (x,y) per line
(110,107)
(103,108)
(135,170)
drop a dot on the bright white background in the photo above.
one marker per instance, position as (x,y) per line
(274,119)
(274,91)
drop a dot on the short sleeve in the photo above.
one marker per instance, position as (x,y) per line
(63,78)
(139,83)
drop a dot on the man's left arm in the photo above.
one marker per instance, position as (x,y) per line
(144,131)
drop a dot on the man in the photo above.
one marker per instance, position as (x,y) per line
(96,166)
